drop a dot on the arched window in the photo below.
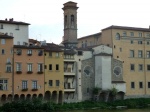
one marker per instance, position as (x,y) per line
(72,20)
(117,36)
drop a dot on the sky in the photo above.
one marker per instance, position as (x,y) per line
(46,16)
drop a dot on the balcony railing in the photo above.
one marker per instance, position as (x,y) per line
(25,89)
(69,90)
(69,73)
(40,72)
(18,72)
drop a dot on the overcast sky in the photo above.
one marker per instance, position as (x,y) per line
(46,16)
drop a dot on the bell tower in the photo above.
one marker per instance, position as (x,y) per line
(70,24)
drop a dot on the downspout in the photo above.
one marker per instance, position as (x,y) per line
(144,64)
(13,75)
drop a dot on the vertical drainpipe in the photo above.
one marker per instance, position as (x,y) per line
(44,71)
(144,63)
(13,75)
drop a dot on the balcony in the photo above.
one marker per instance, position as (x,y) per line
(69,90)
(69,59)
(24,89)
(40,72)
(29,72)
(29,54)
(69,73)
(18,72)
(35,89)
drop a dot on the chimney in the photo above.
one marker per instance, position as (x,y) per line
(11,19)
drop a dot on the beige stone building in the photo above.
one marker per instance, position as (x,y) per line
(131,45)
(90,40)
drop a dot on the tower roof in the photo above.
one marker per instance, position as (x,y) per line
(69,5)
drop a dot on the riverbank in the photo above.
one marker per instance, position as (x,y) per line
(38,105)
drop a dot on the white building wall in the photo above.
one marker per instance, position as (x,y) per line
(78,59)
(103,72)
(20,35)
(120,87)
(102,49)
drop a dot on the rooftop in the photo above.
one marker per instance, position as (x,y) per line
(127,28)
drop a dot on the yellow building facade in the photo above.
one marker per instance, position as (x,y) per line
(6,61)
(54,73)
(28,76)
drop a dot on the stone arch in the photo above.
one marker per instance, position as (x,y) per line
(47,95)
(22,97)
(28,97)
(34,96)
(10,97)
(60,97)
(3,98)
(16,97)
(54,97)
(120,95)
(40,96)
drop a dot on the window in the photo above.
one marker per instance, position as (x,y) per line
(148,84)
(40,67)
(120,49)
(139,42)
(140,53)
(24,84)
(18,66)
(57,54)
(147,35)
(19,52)
(40,52)
(50,66)
(124,34)
(131,53)
(29,67)
(34,84)
(117,36)
(80,53)
(132,67)
(29,52)
(2,26)
(131,42)
(140,84)
(148,67)
(57,82)
(148,43)
(140,67)
(8,61)
(3,84)
(3,51)
(148,54)
(8,68)
(3,41)
(57,67)
(50,82)
(45,66)
(140,34)
(132,85)
(50,54)
(131,34)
